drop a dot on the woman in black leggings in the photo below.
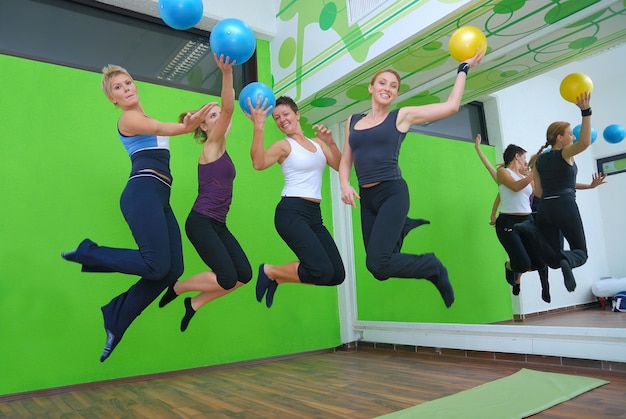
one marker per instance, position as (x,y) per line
(298,217)
(555,183)
(206,223)
(372,143)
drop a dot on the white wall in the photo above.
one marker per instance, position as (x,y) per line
(525,111)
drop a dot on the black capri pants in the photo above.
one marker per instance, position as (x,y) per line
(219,249)
(299,223)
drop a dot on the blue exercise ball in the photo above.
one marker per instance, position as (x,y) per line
(254,91)
(576,132)
(181,14)
(614,133)
(233,38)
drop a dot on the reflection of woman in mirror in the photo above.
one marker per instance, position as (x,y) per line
(372,144)
(555,182)
(515,189)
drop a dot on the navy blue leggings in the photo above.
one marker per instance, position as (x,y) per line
(219,249)
(158,260)
(299,224)
(384,209)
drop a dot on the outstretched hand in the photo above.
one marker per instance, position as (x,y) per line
(193,120)
(478,140)
(324,134)
(597,179)
(584,101)
(258,111)
(224,63)
(476,59)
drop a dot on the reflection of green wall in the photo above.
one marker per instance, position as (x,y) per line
(449,187)
(63,171)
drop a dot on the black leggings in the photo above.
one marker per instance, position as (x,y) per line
(384,209)
(299,223)
(219,249)
(560,215)
(522,253)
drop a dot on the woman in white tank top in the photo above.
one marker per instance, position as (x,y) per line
(515,190)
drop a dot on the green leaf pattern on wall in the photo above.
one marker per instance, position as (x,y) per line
(526,38)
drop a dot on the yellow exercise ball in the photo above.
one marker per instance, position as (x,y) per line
(575,84)
(465,41)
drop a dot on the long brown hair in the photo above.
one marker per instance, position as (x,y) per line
(554,130)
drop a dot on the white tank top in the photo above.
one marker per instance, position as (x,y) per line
(515,202)
(303,171)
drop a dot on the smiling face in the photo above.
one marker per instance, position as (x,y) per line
(123,91)
(384,87)
(286,119)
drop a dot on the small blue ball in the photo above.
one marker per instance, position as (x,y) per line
(181,14)
(233,38)
(576,132)
(253,91)
(614,133)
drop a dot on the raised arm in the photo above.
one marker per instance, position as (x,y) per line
(329,147)
(261,158)
(220,130)
(345,169)
(584,138)
(492,170)
(411,115)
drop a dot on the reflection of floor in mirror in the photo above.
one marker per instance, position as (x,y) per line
(589,316)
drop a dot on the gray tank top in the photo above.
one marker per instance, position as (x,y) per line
(375,150)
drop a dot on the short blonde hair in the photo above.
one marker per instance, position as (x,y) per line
(108,72)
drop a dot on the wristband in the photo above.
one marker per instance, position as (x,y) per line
(464,67)
(586,112)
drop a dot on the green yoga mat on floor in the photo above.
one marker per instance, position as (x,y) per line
(519,395)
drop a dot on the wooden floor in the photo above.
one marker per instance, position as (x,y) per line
(592,316)
(352,384)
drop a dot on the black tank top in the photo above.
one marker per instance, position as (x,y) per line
(557,176)
(375,150)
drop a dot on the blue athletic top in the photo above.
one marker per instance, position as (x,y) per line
(148,151)
(140,142)
(557,176)
(375,150)
(215,188)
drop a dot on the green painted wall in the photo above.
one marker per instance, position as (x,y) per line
(63,171)
(450,187)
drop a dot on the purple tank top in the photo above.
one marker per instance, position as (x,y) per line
(215,188)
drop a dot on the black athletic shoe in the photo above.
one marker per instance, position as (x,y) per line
(568,276)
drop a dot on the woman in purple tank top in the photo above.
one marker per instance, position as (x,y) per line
(206,224)
(372,144)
